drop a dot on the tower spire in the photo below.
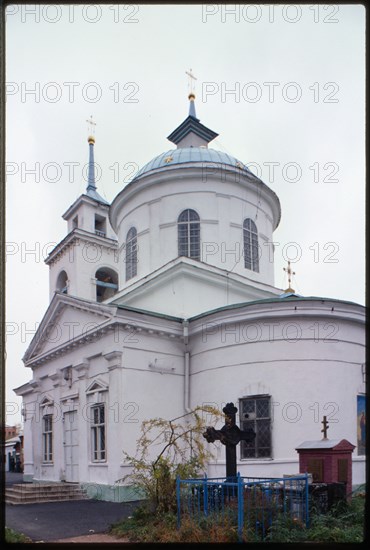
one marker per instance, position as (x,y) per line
(91,141)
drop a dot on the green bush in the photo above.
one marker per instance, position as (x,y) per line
(13,536)
(167,449)
(343,523)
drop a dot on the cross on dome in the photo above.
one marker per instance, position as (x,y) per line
(191,81)
(91,129)
(191,95)
(289,272)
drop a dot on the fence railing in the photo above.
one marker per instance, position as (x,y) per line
(250,503)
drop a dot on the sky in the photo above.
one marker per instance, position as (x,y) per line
(283,85)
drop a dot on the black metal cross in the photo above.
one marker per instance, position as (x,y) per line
(229,435)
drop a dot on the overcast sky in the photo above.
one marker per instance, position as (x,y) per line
(284,86)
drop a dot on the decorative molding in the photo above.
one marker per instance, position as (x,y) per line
(210,222)
(114,359)
(56,378)
(70,396)
(73,239)
(47,401)
(82,369)
(168,224)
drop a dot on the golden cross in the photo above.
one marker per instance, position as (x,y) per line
(91,125)
(289,271)
(325,428)
(190,82)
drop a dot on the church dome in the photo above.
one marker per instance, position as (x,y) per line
(191,155)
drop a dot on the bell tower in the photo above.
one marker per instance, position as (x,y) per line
(85,263)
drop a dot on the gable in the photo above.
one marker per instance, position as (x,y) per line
(172,292)
(65,323)
(344,445)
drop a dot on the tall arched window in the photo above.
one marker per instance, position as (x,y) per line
(250,236)
(189,234)
(131,253)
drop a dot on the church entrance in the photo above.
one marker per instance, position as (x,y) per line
(71,446)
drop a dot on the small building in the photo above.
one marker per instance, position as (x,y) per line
(328,460)
(10,431)
(13,453)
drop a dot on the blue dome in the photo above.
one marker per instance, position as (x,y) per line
(191,154)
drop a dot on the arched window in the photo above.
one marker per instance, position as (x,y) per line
(189,234)
(131,253)
(62,282)
(106,283)
(250,236)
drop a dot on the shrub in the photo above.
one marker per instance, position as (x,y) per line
(343,523)
(181,453)
(12,536)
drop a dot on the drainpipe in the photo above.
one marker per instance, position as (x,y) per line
(186,367)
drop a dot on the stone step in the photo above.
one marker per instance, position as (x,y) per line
(16,501)
(17,494)
(42,492)
(36,484)
(44,488)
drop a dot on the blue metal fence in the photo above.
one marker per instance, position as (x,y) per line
(250,503)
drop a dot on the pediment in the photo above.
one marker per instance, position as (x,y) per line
(47,401)
(187,288)
(66,319)
(96,386)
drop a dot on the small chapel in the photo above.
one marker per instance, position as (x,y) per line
(164,300)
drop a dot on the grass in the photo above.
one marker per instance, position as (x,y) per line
(344,523)
(13,536)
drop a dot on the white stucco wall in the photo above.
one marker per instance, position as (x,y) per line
(308,369)
(153,203)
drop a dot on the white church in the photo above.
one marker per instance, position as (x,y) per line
(164,300)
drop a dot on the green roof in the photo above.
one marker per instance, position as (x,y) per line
(291,298)
(147,312)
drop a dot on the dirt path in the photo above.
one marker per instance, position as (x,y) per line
(98,537)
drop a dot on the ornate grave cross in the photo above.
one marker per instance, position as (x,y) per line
(325,427)
(229,435)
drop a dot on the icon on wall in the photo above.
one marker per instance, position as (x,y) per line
(361,424)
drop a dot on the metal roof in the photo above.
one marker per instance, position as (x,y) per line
(191,154)
(278,299)
(192,125)
(93,194)
(322,444)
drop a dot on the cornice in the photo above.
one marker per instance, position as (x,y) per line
(73,238)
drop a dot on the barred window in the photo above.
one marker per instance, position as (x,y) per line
(98,433)
(189,234)
(131,254)
(250,237)
(47,438)
(255,413)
